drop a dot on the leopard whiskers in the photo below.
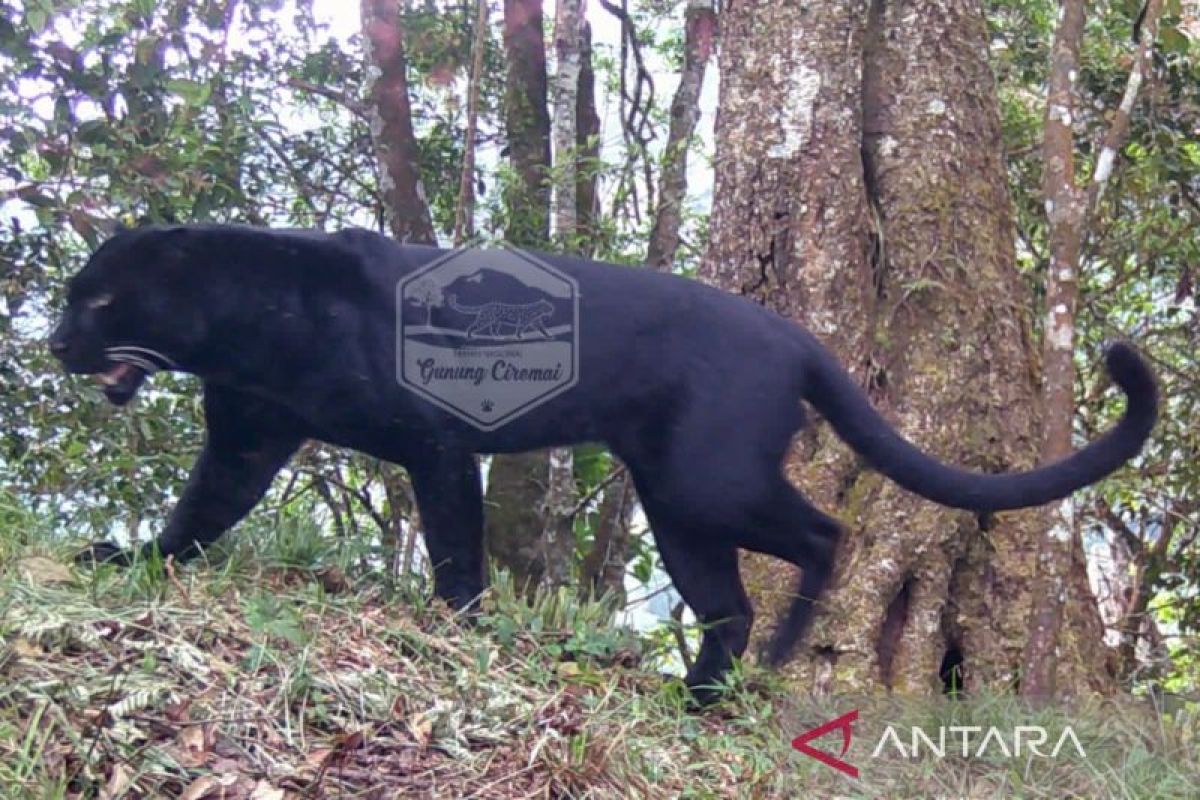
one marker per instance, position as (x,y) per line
(144,357)
(132,348)
(143,364)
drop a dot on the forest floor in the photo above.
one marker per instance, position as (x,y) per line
(271,674)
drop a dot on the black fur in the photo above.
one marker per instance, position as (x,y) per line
(696,391)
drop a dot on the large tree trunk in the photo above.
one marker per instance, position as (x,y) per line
(790,226)
(861,190)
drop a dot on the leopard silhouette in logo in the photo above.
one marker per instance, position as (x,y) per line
(491,317)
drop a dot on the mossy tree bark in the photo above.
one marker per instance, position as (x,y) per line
(861,190)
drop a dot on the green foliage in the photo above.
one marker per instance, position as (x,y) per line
(558,624)
(269,616)
(1138,272)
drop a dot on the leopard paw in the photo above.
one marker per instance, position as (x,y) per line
(103,553)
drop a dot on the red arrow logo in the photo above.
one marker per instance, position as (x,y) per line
(843,723)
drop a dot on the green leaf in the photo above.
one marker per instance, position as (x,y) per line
(92,131)
(191,92)
(37,17)
(1173,41)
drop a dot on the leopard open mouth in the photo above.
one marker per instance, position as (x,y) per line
(121,382)
(130,366)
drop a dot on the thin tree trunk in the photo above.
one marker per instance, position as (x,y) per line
(399,509)
(1150,563)
(587,143)
(1068,209)
(1065,204)
(558,535)
(568,26)
(406,213)
(464,217)
(1118,129)
(516,487)
(1134,621)
(527,120)
(410,548)
(405,210)
(133,522)
(326,494)
(603,570)
(699,32)
(558,540)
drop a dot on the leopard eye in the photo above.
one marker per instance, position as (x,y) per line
(100,301)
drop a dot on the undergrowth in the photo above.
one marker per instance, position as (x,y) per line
(285,667)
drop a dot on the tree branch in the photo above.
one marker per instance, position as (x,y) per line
(1118,129)
(343,99)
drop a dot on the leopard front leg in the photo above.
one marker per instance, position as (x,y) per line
(248,440)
